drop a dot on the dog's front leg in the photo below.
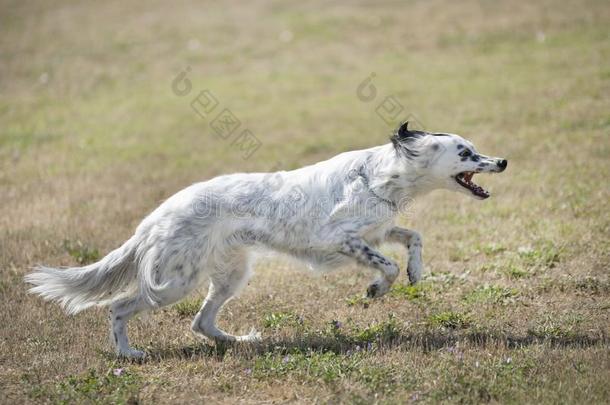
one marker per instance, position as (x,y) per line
(413,241)
(359,250)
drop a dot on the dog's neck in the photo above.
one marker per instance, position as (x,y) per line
(394,179)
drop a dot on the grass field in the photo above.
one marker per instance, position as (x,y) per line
(515,305)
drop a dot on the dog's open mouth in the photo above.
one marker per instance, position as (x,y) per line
(464,179)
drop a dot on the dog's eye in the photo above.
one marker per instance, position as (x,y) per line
(465,153)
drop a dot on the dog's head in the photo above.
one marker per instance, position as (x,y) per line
(446,160)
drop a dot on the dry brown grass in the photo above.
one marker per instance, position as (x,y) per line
(515,307)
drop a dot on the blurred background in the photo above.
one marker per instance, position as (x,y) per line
(107,108)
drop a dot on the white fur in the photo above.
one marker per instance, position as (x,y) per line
(332,213)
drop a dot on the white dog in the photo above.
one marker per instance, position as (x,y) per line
(332,213)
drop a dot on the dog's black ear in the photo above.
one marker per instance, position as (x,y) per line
(403,139)
(403,130)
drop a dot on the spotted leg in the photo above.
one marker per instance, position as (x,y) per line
(120,313)
(359,250)
(413,241)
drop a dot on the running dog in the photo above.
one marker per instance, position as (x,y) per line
(329,214)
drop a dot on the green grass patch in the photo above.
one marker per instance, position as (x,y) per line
(325,366)
(358,300)
(450,320)
(116,386)
(480,381)
(545,255)
(444,277)
(407,291)
(592,285)
(81,252)
(188,307)
(381,331)
(514,271)
(377,378)
(557,327)
(491,294)
(460,255)
(492,249)
(277,320)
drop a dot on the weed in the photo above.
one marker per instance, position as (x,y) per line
(408,292)
(188,307)
(592,285)
(276,320)
(588,285)
(115,386)
(553,327)
(450,320)
(480,381)
(81,252)
(327,366)
(382,331)
(358,300)
(491,294)
(514,271)
(545,255)
(459,255)
(492,249)
(446,277)
(377,378)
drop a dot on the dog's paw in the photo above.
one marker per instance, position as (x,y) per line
(251,337)
(377,289)
(415,272)
(133,354)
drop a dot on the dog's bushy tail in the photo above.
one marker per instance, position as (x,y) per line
(78,288)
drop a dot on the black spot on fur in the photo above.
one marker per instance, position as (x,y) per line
(475,158)
(465,158)
(460,147)
(395,176)
(435,146)
(116,339)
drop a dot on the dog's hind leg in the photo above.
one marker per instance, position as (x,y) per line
(359,250)
(225,282)
(120,313)
(413,241)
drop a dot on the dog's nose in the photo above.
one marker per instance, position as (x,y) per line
(502,164)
